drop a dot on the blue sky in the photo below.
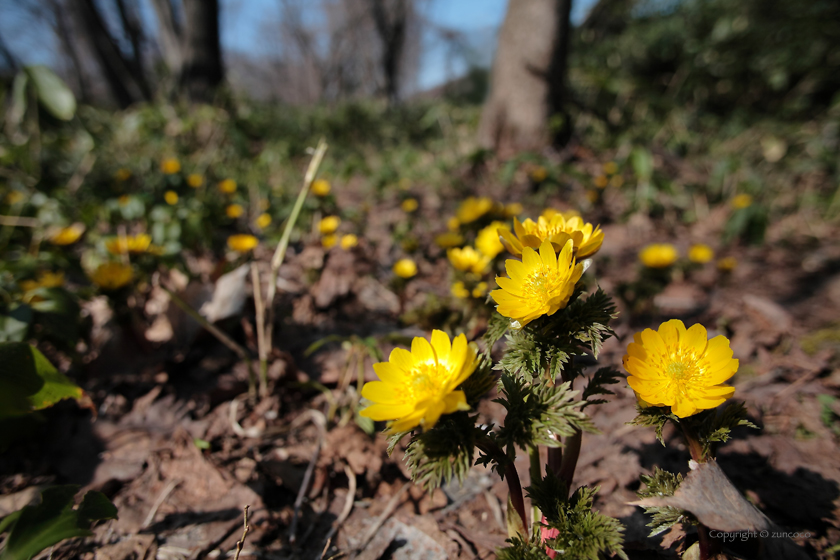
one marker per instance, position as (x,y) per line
(241,22)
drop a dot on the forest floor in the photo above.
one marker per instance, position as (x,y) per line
(180,449)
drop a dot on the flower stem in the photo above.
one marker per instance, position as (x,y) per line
(570,458)
(507,472)
(536,474)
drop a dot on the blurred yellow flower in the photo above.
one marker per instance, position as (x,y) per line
(328,241)
(228,186)
(610,168)
(593,196)
(329,224)
(45,279)
(263,221)
(727,264)
(124,199)
(124,174)
(480,290)
(419,386)
(459,290)
(195,180)
(405,268)
(617,181)
(171,198)
(468,260)
(513,209)
(453,224)
(321,187)
(14,197)
(170,166)
(67,235)
(741,201)
(538,174)
(349,241)
(601,181)
(242,243)
(487,241)
(658,255)
(449,239)
(112,275)
(234,210)
(139,243)
(540,284)
(680,368)
(557,229)
(473,208)
(409,205)
(700,253)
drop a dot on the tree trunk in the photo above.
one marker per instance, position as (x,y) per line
(169,36)
(391,18)
(525,108)
(202,63)
(126,83)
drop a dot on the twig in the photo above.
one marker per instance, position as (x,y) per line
(159,502)
(283,245)
(348,507)
(222,337)
(321,422)
(389,509)
(241,542)
(18,221)
(261,346)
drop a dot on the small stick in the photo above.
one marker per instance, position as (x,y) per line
(348,507)
(159,502)
(241,542)
(261,346)
(389,509)
(19,221)
(307,476)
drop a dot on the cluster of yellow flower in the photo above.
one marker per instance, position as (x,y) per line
(664,255)
(609,176)
(672,367)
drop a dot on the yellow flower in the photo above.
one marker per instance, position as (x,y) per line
(124,199)
(417,387)
(617,181)
(321,187)
(610,168)
(14,197)
(538,174)
(405,268)
(349,241)
(480,290)
(123,174)
(171,198)
(539,284)
(67,235)
(680,368)
(170,166)
(658,255)
(700,253)
(195,180)
(468,259)
(601,181)
(46,279)
(234,210)
(727,264)
(487,241)
(263,221)
(473,208)
(242,243)
(228,186)
(453,224)
(459,290)
(592,196)
(139,243)
(449,239)
(409,205)
(558,229)
(112,275)
(329,224)
(741,201)
(513,209)
(329,241)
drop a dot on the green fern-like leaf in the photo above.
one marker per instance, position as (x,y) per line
(717,428)
(443,453)
(660,485)
(596,386)
(496,329)
(521,549)
(654,416)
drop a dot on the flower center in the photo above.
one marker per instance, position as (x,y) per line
(539,284)
(683,368)
(426,381)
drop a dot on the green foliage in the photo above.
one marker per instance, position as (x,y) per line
(582,533)
(748,224)
(521,549)
(662,484)
(29,382)
(586,319)
(34,528)
(654,416)
(603,376)
(52,92)
(478,384)
(539,414)
(715,428)
(445,452)
(497,326)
